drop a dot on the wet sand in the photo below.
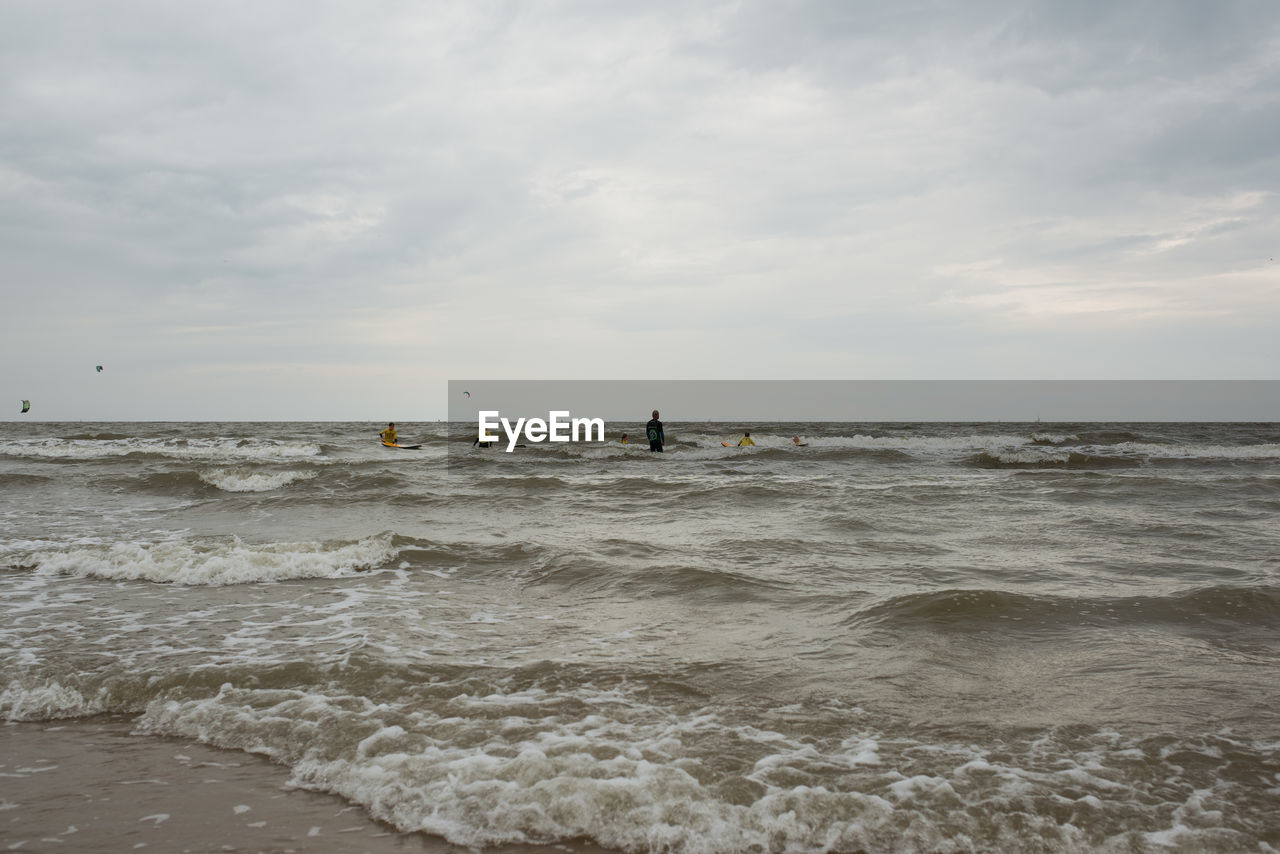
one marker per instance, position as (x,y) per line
(89,786)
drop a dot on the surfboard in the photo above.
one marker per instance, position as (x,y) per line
(726,444)
(402,447)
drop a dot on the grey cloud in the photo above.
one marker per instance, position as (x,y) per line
(719,175)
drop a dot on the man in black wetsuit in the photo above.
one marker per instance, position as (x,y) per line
(654,431)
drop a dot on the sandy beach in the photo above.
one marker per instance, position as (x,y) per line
(89,786)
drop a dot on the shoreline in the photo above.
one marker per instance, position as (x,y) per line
(91,785)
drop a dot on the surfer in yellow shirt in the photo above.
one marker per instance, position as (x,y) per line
(389,436)
(745,441)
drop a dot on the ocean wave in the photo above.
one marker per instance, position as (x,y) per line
(249,480)
(1109,436)
(1066,449)
(602,571)
(887,447)
(507,559)
(1053,439)
(981,609)
(544,756)
(747,494)
(703,446)
(201,449)
(22,479)
(208,564)
(1040,458)
(1081,448)
(489,766)
(197,483)
(49,699)
(701,583)
(625,486)
(897,442)
(1171,450)
(522,483)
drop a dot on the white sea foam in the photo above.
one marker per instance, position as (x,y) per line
(1031,457)
(628,776)
(217,563)
(1055,438)
(248,480)
(1192,451)
(46,700)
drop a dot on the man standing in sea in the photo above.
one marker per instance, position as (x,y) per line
(654,430)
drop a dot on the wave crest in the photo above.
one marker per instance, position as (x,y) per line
(982,609)
(248,480)
(1032,458)
(49,700)
(233,562)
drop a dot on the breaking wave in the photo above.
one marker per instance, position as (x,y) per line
(211,564)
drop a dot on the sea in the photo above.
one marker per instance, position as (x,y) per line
(896,637)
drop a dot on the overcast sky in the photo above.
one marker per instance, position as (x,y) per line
(318,210)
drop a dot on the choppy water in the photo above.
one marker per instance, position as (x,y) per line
(901,637)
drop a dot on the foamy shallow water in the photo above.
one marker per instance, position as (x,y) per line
(940,637)
(162,794)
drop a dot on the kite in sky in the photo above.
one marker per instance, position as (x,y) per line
(26,404)
(99,368)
